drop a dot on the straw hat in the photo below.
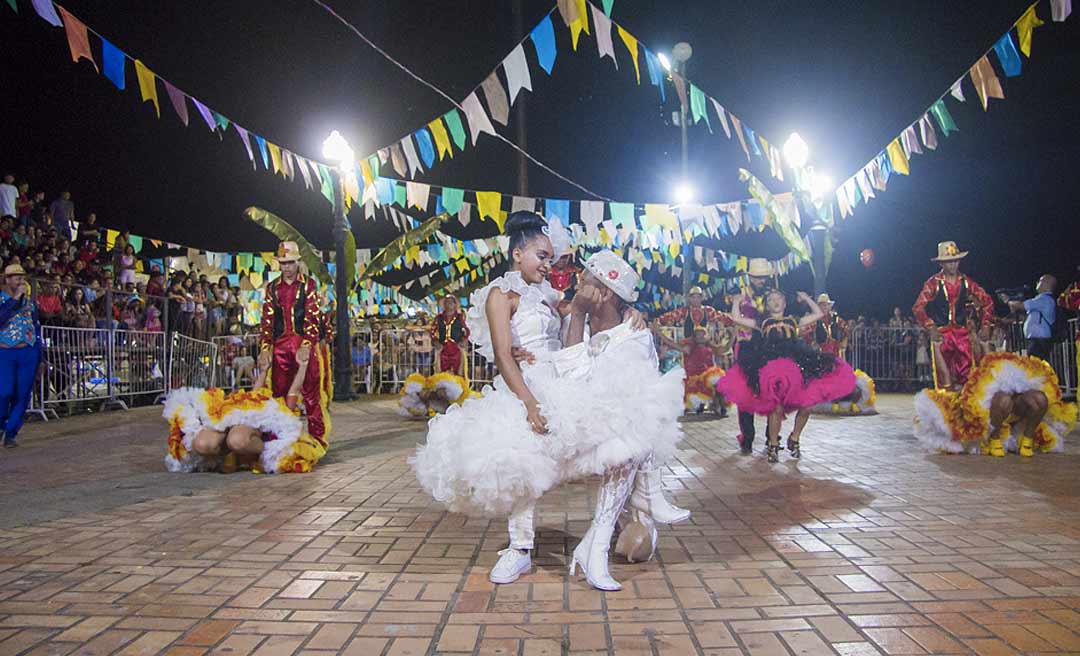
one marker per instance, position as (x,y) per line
(614,273)
(14,270)
(824,298)
(948,252)
(287,251)
(759,267)
(696,290)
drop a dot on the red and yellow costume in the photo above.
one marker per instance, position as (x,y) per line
(702,374)
(448,332)
(944,303)
(291,318)
(562,276)
(829,333)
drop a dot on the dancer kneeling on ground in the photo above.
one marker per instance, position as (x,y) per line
(210,430)
(534,429)
(776,372)
(1009,403)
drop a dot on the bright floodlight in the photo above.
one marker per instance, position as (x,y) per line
(684,193)
(336,149)
(821,185)
(664,61)
(796,152)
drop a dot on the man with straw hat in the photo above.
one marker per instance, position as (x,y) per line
(830,333)
(752,306)
(19,350)
(289,338)
(942,308)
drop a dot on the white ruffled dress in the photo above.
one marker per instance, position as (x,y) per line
(482,456)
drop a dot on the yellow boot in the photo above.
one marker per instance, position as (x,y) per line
(836,408)
(1027,445)
(854,408)
(996,449)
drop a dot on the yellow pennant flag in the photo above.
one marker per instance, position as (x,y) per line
(147,86)
(897,158)
(674,249)
(579,24)
(741,264)
(365,170)
(442,139)
(275,156)
(703,278)
(1025,26)
(631,44)
(489,204)
(660,216)
(110,238)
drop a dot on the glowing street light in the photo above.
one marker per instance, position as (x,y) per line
(337,150)
(664,61)
(684,193)
(796,152)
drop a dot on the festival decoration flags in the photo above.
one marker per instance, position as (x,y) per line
(147,87)
(45,9)
(457,132)
(897,157)
(496,98)
(957,90)
(176,97)
(517,72)
(478,119)
(1007,55)
(427,149)
(78,40)
(1026,26)
(944,118)
(603,35)
(986,82)
(442,140)
(112,61)
(205,113)
(631,43)
(543,38)
(1060,10)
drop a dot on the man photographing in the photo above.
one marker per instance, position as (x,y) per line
(1041,313)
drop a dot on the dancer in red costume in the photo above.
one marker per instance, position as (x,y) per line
(942,308)
(829,334)
(695,315)
(289,339)
(449,333)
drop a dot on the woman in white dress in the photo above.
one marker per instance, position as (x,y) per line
(498,454)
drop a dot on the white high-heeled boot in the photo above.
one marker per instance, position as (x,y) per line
(648,496)
(591,554)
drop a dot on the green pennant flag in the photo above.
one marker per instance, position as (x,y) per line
(697,105)
(400,195)
(452,198)
(944,118)
(457,131)
(607,6)
(14,6)
(221,121)
(327,188)
(374,163)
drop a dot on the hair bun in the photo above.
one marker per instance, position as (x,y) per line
(523,221)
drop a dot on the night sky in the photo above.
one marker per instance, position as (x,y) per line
(847,75)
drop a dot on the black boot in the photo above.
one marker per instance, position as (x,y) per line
(773,452)
(793,447)
(746,427)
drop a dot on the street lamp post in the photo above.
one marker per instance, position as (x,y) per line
(682,53)
(337,149)
(807,186)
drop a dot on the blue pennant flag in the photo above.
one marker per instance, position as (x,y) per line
(113,61)
(1007,55)
(656,75)
(543,38)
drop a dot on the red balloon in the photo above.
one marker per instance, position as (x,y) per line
(867,257)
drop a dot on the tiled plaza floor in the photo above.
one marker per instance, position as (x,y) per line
(866,546)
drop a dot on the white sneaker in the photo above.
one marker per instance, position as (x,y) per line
(512,564)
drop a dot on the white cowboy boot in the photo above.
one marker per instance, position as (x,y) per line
(591,554)
(515,559)
(648,496)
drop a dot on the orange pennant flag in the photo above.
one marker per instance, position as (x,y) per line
(78,41)
(986,82)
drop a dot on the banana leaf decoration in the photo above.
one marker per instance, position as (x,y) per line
(285,232)
(781,222)
(402,243)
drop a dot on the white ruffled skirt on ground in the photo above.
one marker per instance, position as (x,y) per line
(482,457)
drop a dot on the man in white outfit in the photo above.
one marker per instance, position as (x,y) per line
(606,288)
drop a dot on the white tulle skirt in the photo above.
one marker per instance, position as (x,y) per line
(481,457)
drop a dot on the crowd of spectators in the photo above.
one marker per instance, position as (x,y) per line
(80,279)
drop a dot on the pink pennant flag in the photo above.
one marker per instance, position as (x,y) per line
(178,101)
(78,40)
(247,142)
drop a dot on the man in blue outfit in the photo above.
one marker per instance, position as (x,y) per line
(19,350)
(1041,313)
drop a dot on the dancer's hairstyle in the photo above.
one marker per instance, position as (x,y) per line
(522,227)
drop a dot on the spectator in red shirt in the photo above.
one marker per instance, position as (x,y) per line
(50,307)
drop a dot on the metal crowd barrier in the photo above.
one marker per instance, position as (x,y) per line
(901,356)
(236,362)
(191,362)
(403,351)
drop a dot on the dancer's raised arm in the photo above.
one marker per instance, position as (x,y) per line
(815,310)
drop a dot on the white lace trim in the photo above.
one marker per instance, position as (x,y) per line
(511,281)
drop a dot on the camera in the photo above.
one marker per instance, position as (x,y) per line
(1014,293)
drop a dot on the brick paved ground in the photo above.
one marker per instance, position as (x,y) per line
(866,546)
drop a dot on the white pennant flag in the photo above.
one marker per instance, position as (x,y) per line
(416,194)
(929,136)
(592,213)
(603,34)
(957,91)
(522,204)
(478,118)
(410,156)
(464,214)
(1060,10)
(517,72)
(304,171)
(723,116)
